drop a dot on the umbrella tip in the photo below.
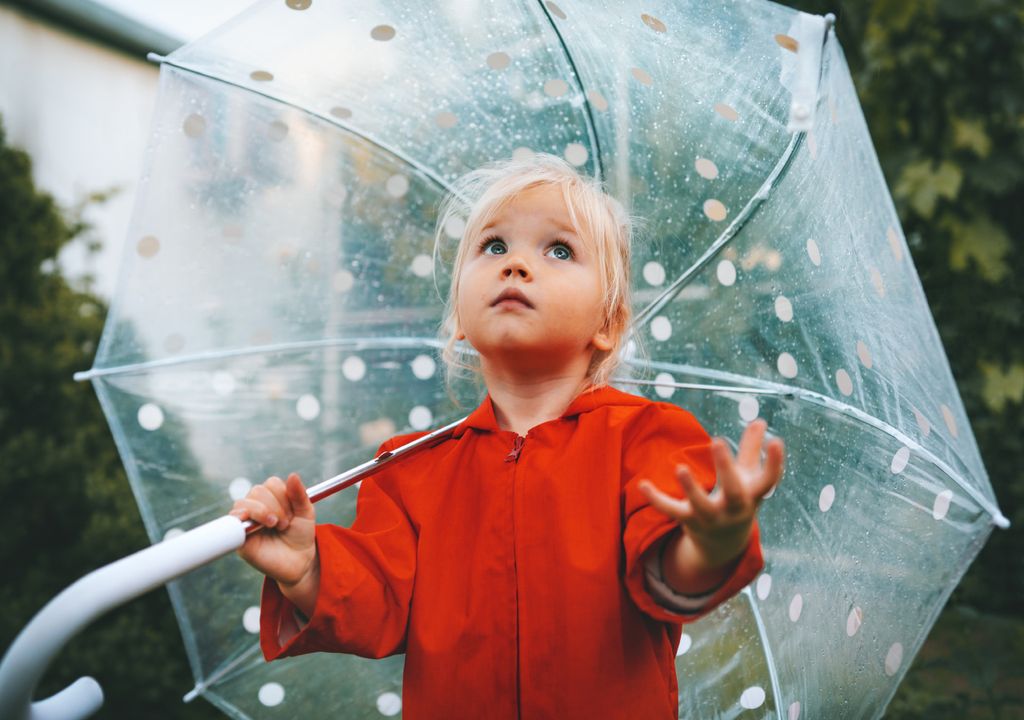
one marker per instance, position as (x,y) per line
(830,21)
(193,693)
(1001,521)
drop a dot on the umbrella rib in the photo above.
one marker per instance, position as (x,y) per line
(395,152)
(201,686)
(591,129)
(362,343)
(850,411)
(766,647)
(728,234)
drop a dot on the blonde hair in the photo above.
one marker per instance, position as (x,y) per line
(480,194)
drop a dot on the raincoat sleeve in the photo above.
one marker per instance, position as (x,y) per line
(659,438)
(366,581)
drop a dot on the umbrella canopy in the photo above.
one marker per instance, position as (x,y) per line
(280,298)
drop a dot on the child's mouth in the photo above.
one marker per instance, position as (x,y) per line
(510,298)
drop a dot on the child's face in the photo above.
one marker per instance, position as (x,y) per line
(530,247)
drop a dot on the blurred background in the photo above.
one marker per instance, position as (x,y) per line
(941,83)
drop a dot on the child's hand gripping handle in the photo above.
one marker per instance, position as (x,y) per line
(285,550)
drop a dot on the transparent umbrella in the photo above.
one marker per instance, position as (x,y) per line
(280,299)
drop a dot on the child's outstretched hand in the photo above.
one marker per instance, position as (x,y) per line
(286,549)
(719,523)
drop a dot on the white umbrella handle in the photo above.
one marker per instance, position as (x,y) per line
(91,596)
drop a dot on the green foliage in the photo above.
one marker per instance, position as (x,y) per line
(62,479)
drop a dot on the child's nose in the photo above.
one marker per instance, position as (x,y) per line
(515,266)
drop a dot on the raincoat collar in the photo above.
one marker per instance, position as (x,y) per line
(483,417)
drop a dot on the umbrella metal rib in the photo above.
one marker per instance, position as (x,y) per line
(804,395)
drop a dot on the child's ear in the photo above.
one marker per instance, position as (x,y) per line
(602,341)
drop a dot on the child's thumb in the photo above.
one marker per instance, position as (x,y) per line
(298,497)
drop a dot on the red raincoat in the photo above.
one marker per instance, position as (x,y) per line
(509,571)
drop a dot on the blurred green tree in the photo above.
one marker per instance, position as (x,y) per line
(57,449)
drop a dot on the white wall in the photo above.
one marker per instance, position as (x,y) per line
(82,112)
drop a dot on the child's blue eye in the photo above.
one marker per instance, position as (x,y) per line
(560,251)
(493,246)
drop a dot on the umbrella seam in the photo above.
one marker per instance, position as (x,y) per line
(421,169)
(591,129)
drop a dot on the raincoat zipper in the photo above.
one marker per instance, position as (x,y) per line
(517,448)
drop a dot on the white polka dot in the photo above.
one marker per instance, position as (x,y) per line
(796,606)
(894,243)
(764,586)
(308,407)
(715,210)
(423,367)
(422,266)
(389,704)
(642,76)
(420,417)
(941,506)
(150,417)
(556,88)
(576,154)
(521,154)
(826,498)
(271,694)
(353,368)
(876,280)
(706,169)
(749,408)
(454,227)
(752,698)
(251,619)
(899,460)
(853,621)
(813,253)
(173,533)
(223,382)
(787,365)
(397,185)
(864,354)
(726,272)
(794,711)
(947,415)
(685,643)
(664,391)
(844,382)
(239,488)
(783,308)
(654,273)
(661,328)
(343,281)
(446,120)
(922,422)
(893,659)
(726,111)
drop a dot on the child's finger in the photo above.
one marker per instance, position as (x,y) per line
(749,454)
(773,467)
(731,486)
(298,498)
(274,510)
(696,494)
(678,510)
(253,509)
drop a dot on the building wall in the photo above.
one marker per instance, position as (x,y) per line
(82,111)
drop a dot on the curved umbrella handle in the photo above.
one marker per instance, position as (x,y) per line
(86,599)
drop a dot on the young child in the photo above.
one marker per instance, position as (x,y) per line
(540,563)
